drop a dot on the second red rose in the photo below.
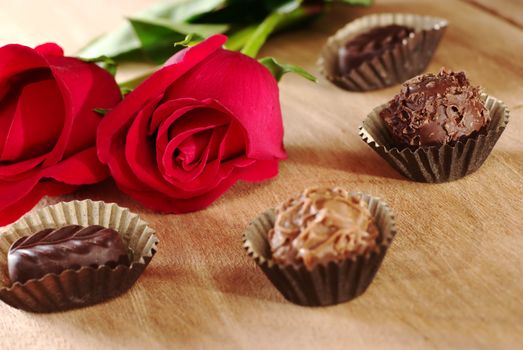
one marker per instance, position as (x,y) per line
(208,118)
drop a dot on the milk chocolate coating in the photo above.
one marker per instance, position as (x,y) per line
(370,44)
(320,226)
(69,247)
(435,109)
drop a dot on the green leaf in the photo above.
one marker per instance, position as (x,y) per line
(123,44)
(278,70)
(189,9)
(157,36)
(286,6)
(105,62)
(101,111)
(190,40)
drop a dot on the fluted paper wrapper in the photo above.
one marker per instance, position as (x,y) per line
(394,65)
(326,284)
(86,286)
(436,164)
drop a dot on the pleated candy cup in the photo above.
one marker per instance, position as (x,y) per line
(436,164)
(86,286)
(393,66)
(326,284)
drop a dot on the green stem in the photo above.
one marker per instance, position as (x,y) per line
(251,38)
(256,41)
(277,21)
(239,38)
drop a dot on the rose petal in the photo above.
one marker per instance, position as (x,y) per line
(184,127)
(247,90)
(153,86)
(184,174)
(169,112)
(49,49)
(181,174)
(139,153)
(7,111)
(84,86)
(163,137)
(36,124)
(179,150)
(13,191)
(161,202)
(82,168)
(11,171)
(258,171)
(178,128)
(120,170)
(215,41)
(15,59)
(233,143)
(16,209)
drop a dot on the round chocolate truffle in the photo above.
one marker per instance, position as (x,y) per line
(322,225)
(435,109)
(370,44)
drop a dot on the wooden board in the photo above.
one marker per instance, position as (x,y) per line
(509,10)
(452,279)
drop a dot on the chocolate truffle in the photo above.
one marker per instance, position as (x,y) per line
(322,225)
(69,247)
(435,109)
(370,44)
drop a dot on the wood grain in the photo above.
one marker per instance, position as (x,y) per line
(509,10)
(452,278)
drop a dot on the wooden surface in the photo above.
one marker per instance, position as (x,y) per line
(509,10)
(452,279)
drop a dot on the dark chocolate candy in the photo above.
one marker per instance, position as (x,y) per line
(370,44)
(69,247)
(435,109)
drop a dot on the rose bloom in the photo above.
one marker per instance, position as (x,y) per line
(208,118)
(47,125)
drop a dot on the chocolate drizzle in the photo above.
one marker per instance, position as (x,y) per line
(435,109)
(322,225)
(69,247)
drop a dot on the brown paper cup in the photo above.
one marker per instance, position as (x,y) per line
(437,164)
(393,66)
(327,284)
(87,286)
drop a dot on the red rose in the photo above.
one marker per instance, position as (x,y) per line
(47,125)
(208,118)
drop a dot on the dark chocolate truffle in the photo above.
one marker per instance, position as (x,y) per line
(435,109)
(322,225)
(370,44)
(69,247)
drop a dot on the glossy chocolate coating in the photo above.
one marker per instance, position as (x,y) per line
(435,109)
(370,44)
(322,225)
(69,247)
